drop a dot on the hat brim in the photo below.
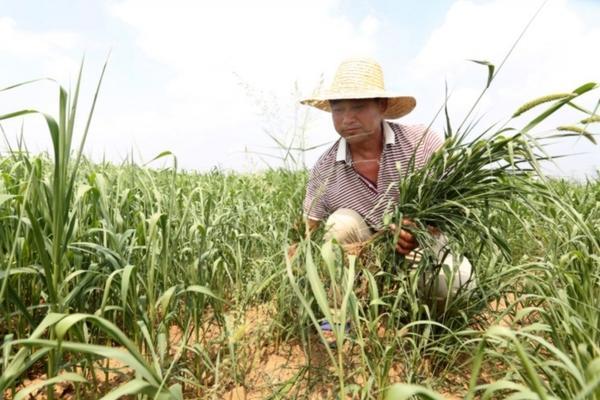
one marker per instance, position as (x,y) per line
(398,106)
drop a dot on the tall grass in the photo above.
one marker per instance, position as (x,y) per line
(226,254)
(160,268)
(479,182)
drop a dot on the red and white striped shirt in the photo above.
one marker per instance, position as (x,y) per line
(335,184)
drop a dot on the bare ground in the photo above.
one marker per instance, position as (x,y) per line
(290,369)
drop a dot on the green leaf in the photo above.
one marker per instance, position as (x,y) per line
(163,301)
(26,83)
(491,67)
(404,391)
(135,361)
(128,273)
(161,155)
(5,197)
(64,377)
(135,386)
(316,284)
(202,290)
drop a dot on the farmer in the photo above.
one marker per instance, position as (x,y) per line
(355,182)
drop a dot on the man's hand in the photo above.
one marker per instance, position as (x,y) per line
(406,241)
(291,252)
(311,225)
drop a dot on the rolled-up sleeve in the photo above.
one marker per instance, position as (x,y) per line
(432,142)
(425,142)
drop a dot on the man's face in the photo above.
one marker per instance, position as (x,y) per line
(358,120)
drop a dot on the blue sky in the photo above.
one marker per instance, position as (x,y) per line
(209,80)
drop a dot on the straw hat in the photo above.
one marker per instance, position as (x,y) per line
(361,78)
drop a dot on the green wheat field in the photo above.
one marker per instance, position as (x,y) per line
(126,281)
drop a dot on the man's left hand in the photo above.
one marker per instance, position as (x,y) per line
(406,240)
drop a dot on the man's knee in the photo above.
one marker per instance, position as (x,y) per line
(455,276)
(346,226)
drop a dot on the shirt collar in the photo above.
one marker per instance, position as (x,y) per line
(342,152)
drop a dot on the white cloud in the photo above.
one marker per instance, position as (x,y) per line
(18,41)
(554,56)
(215,49)
(226,70)
(33,55)
(263,41)
(369,25)
(49,50)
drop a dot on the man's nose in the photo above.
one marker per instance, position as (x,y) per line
(348,117)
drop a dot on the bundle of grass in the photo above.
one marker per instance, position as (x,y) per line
(468,181)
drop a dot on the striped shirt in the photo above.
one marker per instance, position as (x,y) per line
(335,184)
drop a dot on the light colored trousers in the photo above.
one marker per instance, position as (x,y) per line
(347,226)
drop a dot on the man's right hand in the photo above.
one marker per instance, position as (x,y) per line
(291,252)
(312,225)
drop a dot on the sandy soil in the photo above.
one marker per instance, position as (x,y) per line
(266,368)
